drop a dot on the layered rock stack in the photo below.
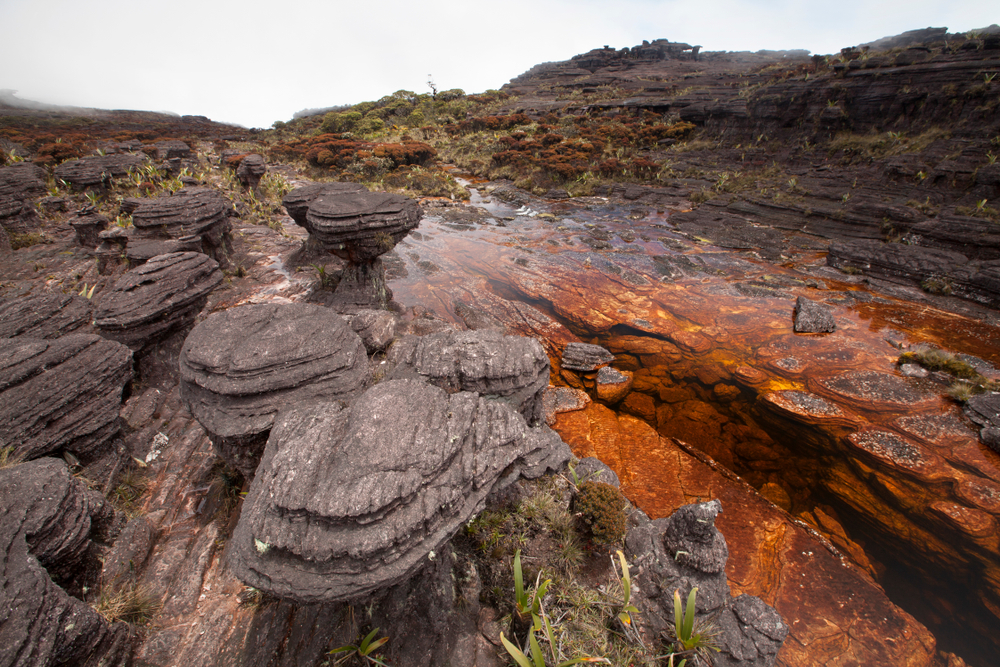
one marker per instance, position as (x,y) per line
(20,184)
(49,521)
(358,227)
(191,217)
(347,501)
(162,295)
(239,368)
(87,225)
(585,366)
(97,171)
(61,395)
(48,315)
(251,169)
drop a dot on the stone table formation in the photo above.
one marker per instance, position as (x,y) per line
(197,217)
(357,226)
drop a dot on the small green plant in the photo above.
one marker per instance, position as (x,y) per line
(326,280)
(935,285)
(693,639)
(992,158)
(84,292)
(537,657)
(362,650)
(9,458)
(527,607)
(625,615)
(601,508)
(988,78)
(93,198)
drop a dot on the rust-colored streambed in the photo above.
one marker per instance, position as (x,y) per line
(825,426)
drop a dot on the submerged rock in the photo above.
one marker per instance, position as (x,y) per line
(242,366)
(156,298)
(514,368)
(48,520)
(812,317)
(62,394)
(347,501)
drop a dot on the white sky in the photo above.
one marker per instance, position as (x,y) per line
(253,62)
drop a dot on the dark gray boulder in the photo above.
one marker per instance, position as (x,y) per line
(297,201)
(242,366)
(685,551)
(984,411)
(97,171)
(347,501)
(61,395)
(252,168)
(49,522)
(377,328)
(47,315)
(87,224)
(514,369)
(172,148)
(189,212)
(585,357)
(161,296)
(813,317)
(20,185)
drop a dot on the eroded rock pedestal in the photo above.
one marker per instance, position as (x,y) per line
(357,227)
(347,501)
(198,215)
(242,366)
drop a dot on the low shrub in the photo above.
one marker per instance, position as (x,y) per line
(601,509)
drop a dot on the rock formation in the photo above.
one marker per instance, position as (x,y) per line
(585,357)
(49,523)
(812,317)
(251,169)
(202,213)
(97,171)
(513,368)
(20,183)
(242,366)
(162,295)
(172,148)
(347,501)
(62,394)
(357,227)
(87,225)
(377,328)
(298,200)
(47,315)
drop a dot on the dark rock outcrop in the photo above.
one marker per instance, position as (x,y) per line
(984,410)
(20,184)
(685,551)
(62,394)
(162,295)
(813,317)
(297,201)
(252,168)
(48,520)
(377,328)
(513,368)
(242,366)
(98,170)
(172,148)
(87,225)
(347,501)
(189,212)
(48,315)
(585,357)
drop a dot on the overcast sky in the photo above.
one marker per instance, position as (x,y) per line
(253,62)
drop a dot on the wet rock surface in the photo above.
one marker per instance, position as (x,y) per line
(240,367)
(585,357)
(350,500)
(812,317)
(512,368)
(62,394)
(162,295)
(49,526)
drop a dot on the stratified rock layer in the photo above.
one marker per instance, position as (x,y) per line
(91,171)
(62,394)
(347,501)
(46,523)
(252,168)
(48,315)
(298,200)
(512,367)
(242,366)
(19,184)
(162,295)
(585,357)
(199,212)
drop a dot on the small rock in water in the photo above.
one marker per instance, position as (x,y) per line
(813,317)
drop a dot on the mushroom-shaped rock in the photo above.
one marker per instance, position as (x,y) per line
(201,212)
(162,295)
(91,171)
(62,394)
(297,201)
(347,501)
(513,368)
(47,522)
(812,317)
(48,315)
(252,168)
(242,366)
(359,227)
(19,184)
(585,357)
(87,224)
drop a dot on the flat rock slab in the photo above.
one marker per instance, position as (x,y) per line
(240,367)
(347,501)
(813,317)
(201,212)
(585,357)
(97,170)
(48,315)
(298,200)
(47,518)
(515,368)
(61,395)
(873,387)
(162,295)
